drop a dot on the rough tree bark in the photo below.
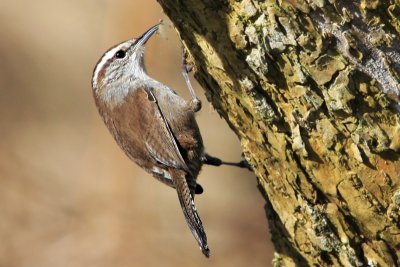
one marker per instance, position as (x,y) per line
(311,88)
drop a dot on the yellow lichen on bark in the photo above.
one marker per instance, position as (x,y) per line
(311,88)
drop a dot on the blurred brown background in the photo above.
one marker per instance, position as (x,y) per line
(68,195)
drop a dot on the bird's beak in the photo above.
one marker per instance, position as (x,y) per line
(146,36)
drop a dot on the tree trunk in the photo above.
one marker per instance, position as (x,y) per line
(311,88)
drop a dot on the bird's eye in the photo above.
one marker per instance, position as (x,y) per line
(120,54)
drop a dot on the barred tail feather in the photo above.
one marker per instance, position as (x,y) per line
(190,212)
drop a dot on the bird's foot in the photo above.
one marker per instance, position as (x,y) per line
(210,160)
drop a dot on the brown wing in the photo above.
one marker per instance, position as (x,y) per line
(157,135)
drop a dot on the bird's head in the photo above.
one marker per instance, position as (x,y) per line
(121,65)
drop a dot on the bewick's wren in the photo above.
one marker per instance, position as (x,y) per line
(154,126)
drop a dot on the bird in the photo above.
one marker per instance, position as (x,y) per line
(154,126)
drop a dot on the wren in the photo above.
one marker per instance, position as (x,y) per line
(155,127)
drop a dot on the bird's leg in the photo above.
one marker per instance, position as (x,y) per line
(195,103)
(210,160)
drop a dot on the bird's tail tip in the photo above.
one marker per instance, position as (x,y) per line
(206,251)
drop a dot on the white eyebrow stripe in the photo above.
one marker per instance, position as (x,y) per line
(106,57)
